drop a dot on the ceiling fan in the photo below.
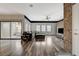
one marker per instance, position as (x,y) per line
(48,18)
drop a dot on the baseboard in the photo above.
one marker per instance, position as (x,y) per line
(10,38)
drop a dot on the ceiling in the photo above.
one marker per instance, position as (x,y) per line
(35,11)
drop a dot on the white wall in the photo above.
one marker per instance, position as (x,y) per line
(53,29)
(75,29)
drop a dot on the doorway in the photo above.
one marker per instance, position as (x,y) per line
(75,29)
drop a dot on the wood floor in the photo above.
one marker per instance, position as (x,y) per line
(32,48)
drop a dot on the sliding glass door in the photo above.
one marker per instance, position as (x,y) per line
(15,29)
(5,29)
(10,30)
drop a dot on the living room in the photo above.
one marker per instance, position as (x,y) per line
(39,29)
(23,29)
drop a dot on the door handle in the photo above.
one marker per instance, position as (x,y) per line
(76,33)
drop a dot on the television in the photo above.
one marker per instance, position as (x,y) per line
(60,30)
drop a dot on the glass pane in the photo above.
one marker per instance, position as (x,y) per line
(29,28)
(15,29)
(43,28)
(5,29)
(48,28)
(26,27)
(38,28)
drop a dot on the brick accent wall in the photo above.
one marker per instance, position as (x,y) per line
(68,27)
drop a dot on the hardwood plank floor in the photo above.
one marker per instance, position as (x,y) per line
(32,48)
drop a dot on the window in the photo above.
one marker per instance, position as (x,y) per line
(15,29)
(29,28)
(48,28)
(38,28)
(5,29)
(10,29)
(43,28)
(26,27)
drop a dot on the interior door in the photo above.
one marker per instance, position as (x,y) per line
(75,29)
